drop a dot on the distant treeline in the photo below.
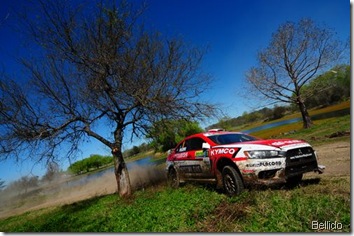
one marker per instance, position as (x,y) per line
(96,161)
(263,114)
(91,163)
(327,89)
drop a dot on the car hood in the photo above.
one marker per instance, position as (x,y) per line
(277,143)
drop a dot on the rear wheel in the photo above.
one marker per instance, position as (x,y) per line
(232,181)
(173,178)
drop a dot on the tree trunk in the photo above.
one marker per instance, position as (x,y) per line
(120,168)
(306,119)
(121,173)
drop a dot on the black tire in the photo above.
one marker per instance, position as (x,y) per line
(294,180)
(172,178)
(232,181)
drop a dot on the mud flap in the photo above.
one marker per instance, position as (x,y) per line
(320,169)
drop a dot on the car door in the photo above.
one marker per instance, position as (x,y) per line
(191,159)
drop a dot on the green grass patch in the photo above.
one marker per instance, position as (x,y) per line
(285,210)
(154,210)
(196,208)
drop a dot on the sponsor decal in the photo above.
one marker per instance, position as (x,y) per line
(182,149)
(264,164)
(301,156)
(191,169)
(181,155)
(230,151)
(199,153)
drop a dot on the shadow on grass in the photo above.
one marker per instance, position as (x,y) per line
(80,205)
(302,183)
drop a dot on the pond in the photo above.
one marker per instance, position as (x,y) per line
(331,114)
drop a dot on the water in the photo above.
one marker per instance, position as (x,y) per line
(272,125)
(331,114)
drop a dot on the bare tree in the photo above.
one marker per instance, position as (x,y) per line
(52,172)
(2,184)
(296,53)
(97,67)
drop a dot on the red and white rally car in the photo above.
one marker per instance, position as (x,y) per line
(233,160)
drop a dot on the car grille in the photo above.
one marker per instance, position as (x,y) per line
(300,160)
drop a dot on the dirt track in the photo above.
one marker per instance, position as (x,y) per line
(335,156)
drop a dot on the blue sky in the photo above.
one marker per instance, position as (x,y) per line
(233,30)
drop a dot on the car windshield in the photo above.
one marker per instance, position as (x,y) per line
(231,138)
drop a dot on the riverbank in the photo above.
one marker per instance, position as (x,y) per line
(296,125)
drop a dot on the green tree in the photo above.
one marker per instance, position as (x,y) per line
(94,161)
(278,112)
(135,150)
(329,88)
(77,167)
(166,134)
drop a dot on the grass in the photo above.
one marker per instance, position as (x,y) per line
(154,210)
(284,210)
(196,208)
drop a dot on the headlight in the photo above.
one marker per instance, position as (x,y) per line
(263,154)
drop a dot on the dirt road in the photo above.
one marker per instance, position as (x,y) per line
(335,156)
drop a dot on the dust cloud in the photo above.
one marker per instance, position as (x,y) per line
(62,192)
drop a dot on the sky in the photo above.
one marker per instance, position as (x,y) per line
(232,30)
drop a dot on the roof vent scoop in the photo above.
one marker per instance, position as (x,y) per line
(215,130)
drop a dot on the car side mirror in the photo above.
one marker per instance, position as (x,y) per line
(170,151)
(205,146)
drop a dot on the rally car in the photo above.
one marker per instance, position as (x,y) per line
(233,160)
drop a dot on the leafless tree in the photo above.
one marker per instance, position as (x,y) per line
(97,65)
(52,172)
(295,55)
(2,184)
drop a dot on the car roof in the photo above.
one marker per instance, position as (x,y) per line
(213,132)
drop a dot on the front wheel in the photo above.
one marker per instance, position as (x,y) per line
(172,178)
(232,181)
